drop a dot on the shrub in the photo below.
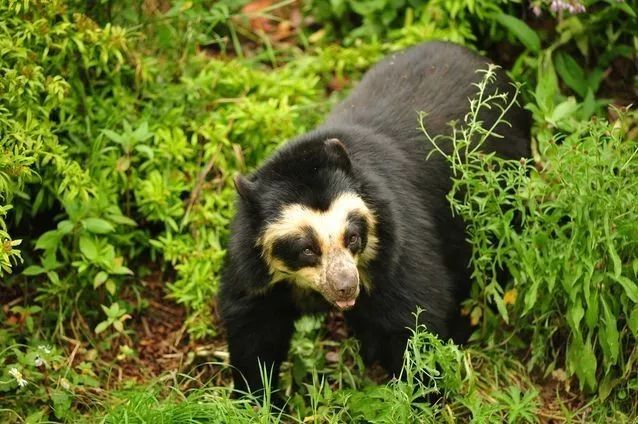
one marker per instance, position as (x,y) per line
(114,160)
(568,236)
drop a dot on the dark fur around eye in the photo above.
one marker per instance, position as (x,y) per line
(290,250)
(356,225)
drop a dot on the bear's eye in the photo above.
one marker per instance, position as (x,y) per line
(354,238)
(308,252)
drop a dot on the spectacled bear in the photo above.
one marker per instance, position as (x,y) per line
(354,216)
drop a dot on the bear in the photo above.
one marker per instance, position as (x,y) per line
(353,216)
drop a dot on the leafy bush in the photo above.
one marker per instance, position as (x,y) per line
(39,376)
(403,20)
(432,368)
(567,234)
(157,151)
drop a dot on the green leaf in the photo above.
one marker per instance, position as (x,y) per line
(98,226)
(502,309)
(53,277)
(114,310)
(37,202)
(99,279)
(547,85)
(61,402)
(564,110)
(575,315)
(33,270)
(388,15)
(367,7)
(606,386)
(36,417)
(631,287)
(88,248)
(520,30)
(49,261)
(591,313)
(65,227)
(611,337)
(614,258)
(142,133)
(588,105)
(121,270)
(625,8)
(571,72)
(586,364)
(101,327)
(48,240)
(145,150)
(594,79)
(113,136)
(633,322)
(110,286)
(123,220)
(338,7)
(118,326)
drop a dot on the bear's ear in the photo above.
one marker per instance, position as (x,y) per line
(338,154)
(246,188)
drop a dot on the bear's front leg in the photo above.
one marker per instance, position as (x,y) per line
(259,330)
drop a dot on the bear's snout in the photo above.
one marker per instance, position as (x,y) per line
(342,278)
(346,283)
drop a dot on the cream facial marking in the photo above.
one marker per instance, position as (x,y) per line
(322,250)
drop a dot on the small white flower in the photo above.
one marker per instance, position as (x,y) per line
(39,361)
(572,6)
(45,349)
(18,376)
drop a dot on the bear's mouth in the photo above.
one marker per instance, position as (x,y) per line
(344,305)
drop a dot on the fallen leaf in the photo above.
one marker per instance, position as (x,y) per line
(338,83)
(253,9)
(332,357)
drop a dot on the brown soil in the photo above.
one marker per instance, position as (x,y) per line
(162,346)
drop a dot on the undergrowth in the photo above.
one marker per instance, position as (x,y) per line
(566,231)
(432,368)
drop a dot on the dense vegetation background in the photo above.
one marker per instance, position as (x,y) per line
(123,123)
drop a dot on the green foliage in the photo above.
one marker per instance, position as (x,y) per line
(432,368)
(567,234)
(404,20)
(37,381)
(158,148)
(115,317)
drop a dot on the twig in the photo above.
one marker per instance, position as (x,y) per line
(179,335)
(73,353)
(147,329)
(201,178)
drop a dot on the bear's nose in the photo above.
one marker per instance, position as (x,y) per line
(346,283)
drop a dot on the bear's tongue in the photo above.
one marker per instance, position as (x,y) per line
(343,304)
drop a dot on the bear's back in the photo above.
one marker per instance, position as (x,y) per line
(436,78)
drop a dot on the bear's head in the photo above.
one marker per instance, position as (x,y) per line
(313,227)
